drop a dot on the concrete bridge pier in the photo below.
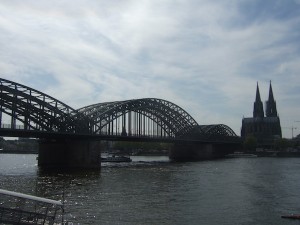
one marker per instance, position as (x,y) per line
(69,153)
(194,151)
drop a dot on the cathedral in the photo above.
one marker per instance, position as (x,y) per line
(264,127)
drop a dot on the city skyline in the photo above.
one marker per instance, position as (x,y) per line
(204,56)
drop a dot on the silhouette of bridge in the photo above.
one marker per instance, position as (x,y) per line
(32,113)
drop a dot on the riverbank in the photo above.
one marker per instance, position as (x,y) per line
(18,152)
(275,154)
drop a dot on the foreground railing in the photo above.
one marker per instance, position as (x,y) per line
(18,208)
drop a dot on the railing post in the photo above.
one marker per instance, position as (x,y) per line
(1,116)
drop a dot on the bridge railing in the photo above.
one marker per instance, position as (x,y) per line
(9,126)
(119,134)
(112,135)
(19,127)
(101,133)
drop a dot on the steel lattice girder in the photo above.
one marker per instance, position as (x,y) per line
(173,119)
(212,132)
(35,108)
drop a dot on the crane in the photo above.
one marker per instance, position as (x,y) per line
(297,121)
(292,128)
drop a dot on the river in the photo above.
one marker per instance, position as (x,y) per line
(152,190)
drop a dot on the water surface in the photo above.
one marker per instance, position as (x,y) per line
(152,190)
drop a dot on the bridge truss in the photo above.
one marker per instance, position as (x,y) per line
(142,117)
(212,133)
(32,110)
(35,110)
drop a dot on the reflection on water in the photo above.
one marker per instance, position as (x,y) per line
(152,190)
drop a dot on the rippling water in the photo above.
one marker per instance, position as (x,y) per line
(152,190)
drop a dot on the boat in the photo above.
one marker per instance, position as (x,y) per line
(23,209)
(241,155)
(115,158)
(292,216)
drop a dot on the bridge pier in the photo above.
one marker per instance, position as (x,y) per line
(69,153)
(194,151)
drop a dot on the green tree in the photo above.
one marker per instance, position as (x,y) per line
(144,146)
(250,143)
(282,144)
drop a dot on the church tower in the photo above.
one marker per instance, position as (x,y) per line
(271,110)
(258,110)
(266,129)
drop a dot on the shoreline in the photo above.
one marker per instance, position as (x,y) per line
(18,152)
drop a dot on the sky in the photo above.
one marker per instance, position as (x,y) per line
(205,56)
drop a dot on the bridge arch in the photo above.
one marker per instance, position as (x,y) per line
(146,113)
(219,132)
(35,110)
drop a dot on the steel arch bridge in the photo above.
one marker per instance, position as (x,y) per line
(147,116)
(31,110)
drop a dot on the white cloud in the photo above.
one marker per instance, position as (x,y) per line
(205,56)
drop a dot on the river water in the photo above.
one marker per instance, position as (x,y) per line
(152,190)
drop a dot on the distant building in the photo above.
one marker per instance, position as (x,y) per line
(264,128)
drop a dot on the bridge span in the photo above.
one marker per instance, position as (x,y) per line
(70,137)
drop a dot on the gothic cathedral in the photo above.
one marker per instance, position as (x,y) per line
(264,128)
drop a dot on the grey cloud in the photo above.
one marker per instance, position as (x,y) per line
(205,56)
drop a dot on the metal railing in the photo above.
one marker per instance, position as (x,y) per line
(23,209)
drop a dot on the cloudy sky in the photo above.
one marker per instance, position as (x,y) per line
(205,56)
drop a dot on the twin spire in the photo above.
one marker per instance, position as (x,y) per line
(258,110)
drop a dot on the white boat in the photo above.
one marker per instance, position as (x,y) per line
(23,209)
(115,158)
(241,155)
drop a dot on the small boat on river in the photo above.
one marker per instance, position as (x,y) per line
(292,216)
(241,155)
(115,158)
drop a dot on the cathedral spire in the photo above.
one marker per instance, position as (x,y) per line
(257,99)
(271,110)
(258,110)
(271,97)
